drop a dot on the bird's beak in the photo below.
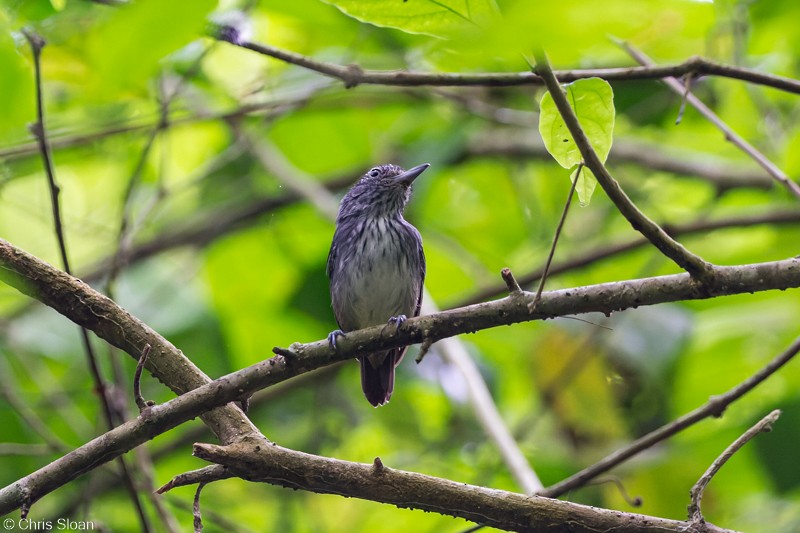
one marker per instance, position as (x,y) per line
(407,177)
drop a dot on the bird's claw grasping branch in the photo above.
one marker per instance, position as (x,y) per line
(332,337)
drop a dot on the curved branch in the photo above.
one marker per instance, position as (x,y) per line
(762,426)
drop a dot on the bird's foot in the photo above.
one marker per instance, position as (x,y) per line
(332,337)
(396,321)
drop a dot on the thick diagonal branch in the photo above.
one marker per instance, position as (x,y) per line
(688,261)
(94,311)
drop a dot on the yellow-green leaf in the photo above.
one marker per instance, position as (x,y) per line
(586,184)
(432,17)
(593,102)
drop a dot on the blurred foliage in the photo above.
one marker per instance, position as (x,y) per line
(571,391)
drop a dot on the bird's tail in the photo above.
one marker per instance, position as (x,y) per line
(377,375)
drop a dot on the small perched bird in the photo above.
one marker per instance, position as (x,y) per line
(376,268)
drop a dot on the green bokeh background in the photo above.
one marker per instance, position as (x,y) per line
(227,301)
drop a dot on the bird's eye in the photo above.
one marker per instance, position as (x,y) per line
(374,173)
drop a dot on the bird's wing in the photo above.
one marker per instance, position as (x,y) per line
(422,270)
(331,259)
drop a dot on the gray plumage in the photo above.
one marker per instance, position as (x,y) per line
(376,268)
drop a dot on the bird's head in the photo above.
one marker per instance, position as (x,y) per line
(382,191)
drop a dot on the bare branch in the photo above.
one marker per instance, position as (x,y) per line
(353,75)
(270,463)
(81,304)
(688,261)
(37,43)
(205,475)
(511,283)
(556,235)
(763,425)
(141,403)
(198,519)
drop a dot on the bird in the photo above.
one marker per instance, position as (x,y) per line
(376,268)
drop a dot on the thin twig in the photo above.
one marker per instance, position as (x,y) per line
(141,403)
(203,476)
(730,135)
(424,348)
(37,43)
(511,283)
(763,425)
(695,265)
(636,501)
(713,408)
(557,234)
(198,519)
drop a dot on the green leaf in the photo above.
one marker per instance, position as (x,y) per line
(432,17)
(586,184)
(593,102)
(16,90)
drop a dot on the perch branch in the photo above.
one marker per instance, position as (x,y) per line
(81,304)
(763,425)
